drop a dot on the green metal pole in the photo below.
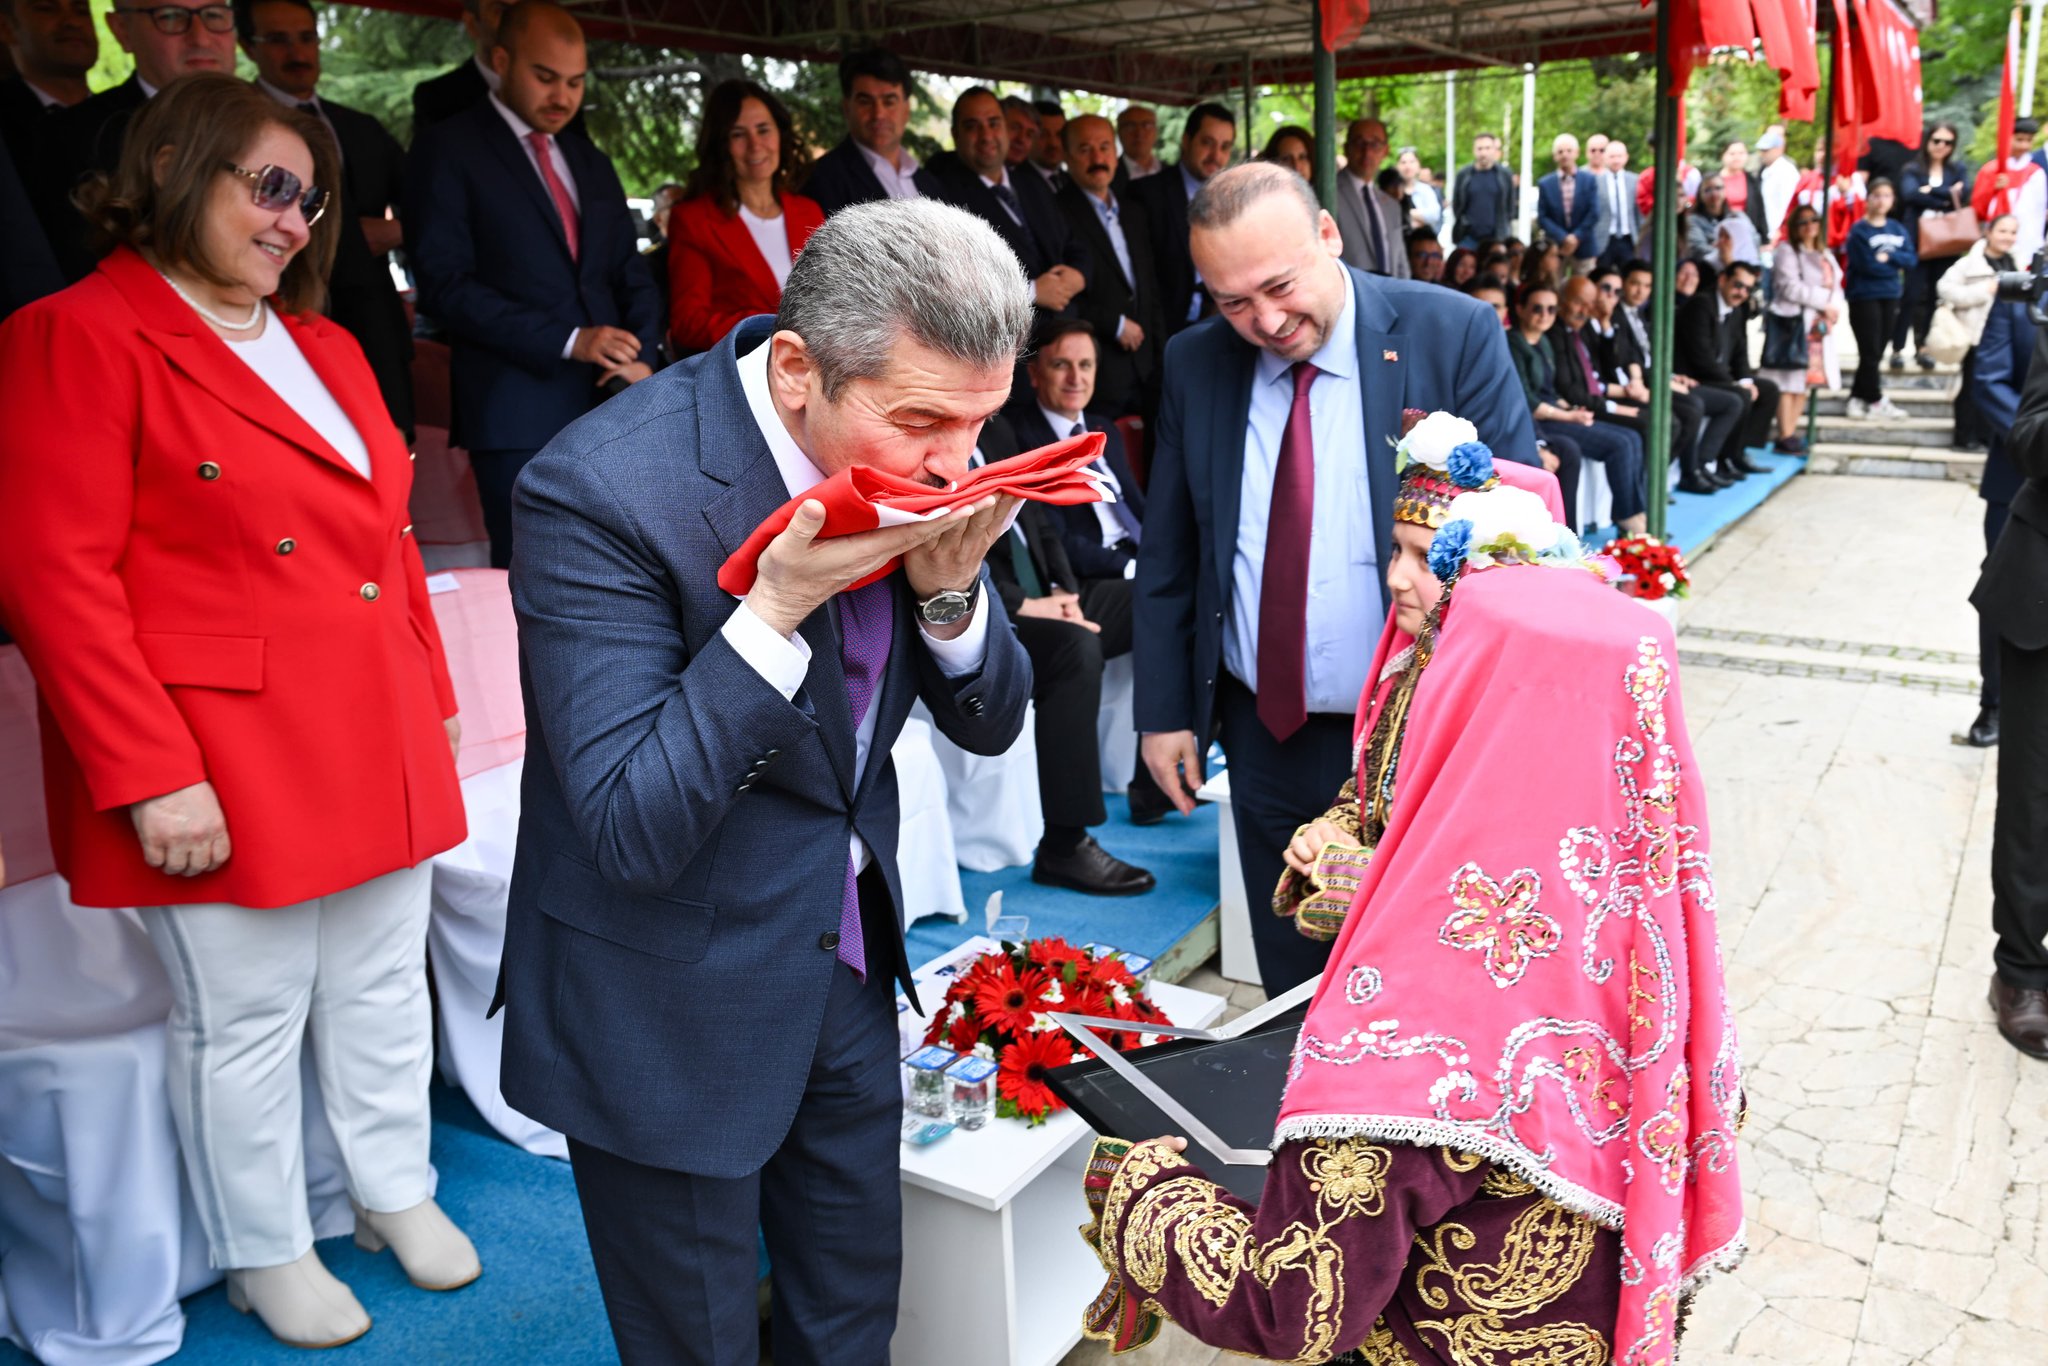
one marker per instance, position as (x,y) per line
(1664,272)
(1249,139)
(1326,113)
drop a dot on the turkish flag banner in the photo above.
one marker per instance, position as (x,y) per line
(861,498)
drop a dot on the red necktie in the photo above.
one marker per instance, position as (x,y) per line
(564,205)
(1283,591)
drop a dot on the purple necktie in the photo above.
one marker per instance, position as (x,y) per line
(867,621)
(1283,591)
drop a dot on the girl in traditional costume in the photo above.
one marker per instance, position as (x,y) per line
(1508,1133)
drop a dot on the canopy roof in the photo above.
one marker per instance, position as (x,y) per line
(1171,51)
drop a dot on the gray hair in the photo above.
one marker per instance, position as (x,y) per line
(1227,194)
(905,267)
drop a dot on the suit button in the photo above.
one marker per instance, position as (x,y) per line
(405,530)
(370,592)
(772,754)
(829,940)
(208,470)
(287,546)
(743,787)
(414,455)
(973,706)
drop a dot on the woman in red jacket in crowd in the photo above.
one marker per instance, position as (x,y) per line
(739,226)
(248,719)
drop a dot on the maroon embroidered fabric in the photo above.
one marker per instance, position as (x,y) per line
(1405,1255)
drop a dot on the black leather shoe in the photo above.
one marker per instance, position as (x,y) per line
(1092,869)
(1149,805)
(1789,445)
(1742,462)
(1984,730)
(2022,1017)
(1728,472)
(1713,475)
(1693,483)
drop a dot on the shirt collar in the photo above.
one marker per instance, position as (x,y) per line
(1339,353)
(1106,207)
(881,164)
(484,69)
(289,101)
(148,90)
(1060,423)
(1188,182)
(43,97)
(799,475)
(521,129)
(1002,178)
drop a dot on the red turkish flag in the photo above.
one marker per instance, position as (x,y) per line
(1343,21)
(1787,28)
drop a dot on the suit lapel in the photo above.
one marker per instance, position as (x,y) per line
(1382,374)
(519,164)
(1233,411)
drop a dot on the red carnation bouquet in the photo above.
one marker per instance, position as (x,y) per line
(1003,1004)
(1653,569)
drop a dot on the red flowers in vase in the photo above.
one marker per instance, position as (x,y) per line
(1003,1005)
(1651,568)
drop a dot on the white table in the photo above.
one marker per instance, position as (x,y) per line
(1240,960)
(994,1269)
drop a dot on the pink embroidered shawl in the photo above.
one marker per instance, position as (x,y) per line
(1532,972)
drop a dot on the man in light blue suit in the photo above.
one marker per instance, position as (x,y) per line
(706,923)
(1568,206)
(1280,415)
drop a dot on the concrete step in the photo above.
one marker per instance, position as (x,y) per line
(1916,402)
(1897,431)
(1895,461)
(1926,670)
(1912,377)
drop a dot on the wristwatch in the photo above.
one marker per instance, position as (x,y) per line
(949,605)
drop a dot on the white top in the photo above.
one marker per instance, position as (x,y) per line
(898,182)
(1780,181)
(784,661)
(771,235)
(279,363)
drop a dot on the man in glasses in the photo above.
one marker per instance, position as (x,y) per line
(282,37)
(1711,345)
(167,40)
(525,254)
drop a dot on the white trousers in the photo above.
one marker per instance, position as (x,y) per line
(248,987)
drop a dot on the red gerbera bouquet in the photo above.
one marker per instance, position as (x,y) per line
(1003,1003)
(1653,569)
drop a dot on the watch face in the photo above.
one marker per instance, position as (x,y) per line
(943,609)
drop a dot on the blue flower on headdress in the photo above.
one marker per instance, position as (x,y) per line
(1447,550)
(1471,464)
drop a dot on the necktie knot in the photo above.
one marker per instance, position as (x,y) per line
(539,140)
(1305,374)
(1079,430)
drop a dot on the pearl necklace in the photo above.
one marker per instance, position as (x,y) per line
(255,313)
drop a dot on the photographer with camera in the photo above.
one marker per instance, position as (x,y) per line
(2011,599)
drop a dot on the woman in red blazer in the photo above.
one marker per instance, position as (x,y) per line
(248,719)
(739,226)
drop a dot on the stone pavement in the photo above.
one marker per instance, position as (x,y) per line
(1895,1161)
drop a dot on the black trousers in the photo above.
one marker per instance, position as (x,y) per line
(1107,603)
(1722,411)
(1987,634)
(1561,439)
(1916,311)
(1872,321)
(496,473)
(1276,786)
(1757,416)
(1066,688)
(1971,428)
(676,1254)
(2019,832)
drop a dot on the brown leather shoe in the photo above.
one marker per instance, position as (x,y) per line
(2022,1017)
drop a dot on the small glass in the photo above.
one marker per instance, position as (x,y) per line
(927,1069)
(972,1092)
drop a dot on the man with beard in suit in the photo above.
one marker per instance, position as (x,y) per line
(1121,302)
(1205,145)
(871,161)
(52,44)
(282,37)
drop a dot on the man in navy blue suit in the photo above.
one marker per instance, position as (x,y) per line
(1568,205)
(705,930)
(1269,515)
(524,253)
(871,161)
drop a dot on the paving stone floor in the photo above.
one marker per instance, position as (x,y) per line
(1896,1156)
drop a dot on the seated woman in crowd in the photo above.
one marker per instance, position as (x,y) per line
(1460,266)
(1571,433)
(1509,1130)
(1293,147)
(206,555)
(739,226)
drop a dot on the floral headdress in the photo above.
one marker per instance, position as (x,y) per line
(1438,458)
(1502,526)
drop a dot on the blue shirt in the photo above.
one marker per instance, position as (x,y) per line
(1344,612)
(1112,223)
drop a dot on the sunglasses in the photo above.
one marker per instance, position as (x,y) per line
(172,20)
(1542,310)
(1610,289)
(1941,142)
(274,189)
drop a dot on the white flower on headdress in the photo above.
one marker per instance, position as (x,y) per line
(1432,440)
(1509,521)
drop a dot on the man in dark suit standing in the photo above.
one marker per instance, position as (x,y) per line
(1711,344)
(442,97)
(1205,144)
(52,44)
(2012,601)
(871,161)
(704,937)
(282,37)
(167,41)
(1269,514)
(525,254)
(27,269)
(1568,204)
(1013,202)
(1122,299)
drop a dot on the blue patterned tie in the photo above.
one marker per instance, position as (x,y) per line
(867,622)
(1119,510)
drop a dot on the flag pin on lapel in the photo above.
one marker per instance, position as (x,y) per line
(1390,355)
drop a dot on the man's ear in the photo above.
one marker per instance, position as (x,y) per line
(791,371)
(501,61)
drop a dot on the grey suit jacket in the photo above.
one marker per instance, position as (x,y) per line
(1351,223)
(1605,223)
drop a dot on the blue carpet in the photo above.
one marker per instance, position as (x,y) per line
(1179,851)
(1692,519)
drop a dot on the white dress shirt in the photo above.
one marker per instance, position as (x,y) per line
(279,363)
(784,661)
(1113,534)
(291,101)
(523,132)
(43,97)
(1137,172)
(771,235)
(898,182)
(1344,612)
(1000,180)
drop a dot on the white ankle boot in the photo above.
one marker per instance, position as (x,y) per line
(436,1255)
(301,1302)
